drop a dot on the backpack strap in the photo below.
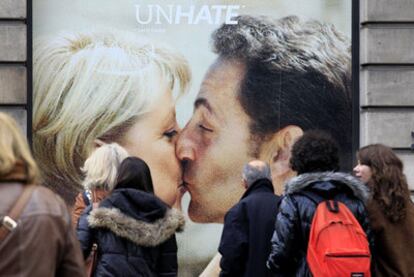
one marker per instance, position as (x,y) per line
(316,198)
(331,204)
(9,222)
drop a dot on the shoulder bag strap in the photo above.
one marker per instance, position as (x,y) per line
(8,222)
(85,198)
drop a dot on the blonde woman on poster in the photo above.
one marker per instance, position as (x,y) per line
(96,88)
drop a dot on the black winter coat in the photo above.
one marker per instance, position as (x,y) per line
(135,233)
(292,228)
(248,228)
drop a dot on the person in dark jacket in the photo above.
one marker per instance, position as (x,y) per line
(315,158)
(133,228)
(248,226)
(391,211)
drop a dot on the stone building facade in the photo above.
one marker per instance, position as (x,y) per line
(15,60)
(386,71)
(386,77)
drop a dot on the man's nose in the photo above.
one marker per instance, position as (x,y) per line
(185,149)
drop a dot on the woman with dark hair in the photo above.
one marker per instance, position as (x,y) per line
(133,228)
(135,173)
(391,212)
(315,158)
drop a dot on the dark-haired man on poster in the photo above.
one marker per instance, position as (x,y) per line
(272,80)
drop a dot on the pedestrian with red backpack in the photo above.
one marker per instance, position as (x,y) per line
(322,226)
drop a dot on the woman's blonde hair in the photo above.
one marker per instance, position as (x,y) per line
(91,86)
(101,167)
(14,149)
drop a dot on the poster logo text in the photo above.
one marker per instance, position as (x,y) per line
(180,14)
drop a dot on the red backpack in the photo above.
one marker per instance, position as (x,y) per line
(338,246)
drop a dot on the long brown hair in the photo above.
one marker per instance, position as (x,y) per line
(388,182)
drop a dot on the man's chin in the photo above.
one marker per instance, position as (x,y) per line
(200,214)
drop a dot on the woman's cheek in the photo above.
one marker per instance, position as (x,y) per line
(166,171)
(166,194)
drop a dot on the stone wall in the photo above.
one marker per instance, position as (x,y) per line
(14,60)
(387,77)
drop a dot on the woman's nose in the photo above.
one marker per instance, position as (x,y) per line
(356,169)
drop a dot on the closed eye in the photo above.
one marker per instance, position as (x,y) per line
(204,128)
(171,134)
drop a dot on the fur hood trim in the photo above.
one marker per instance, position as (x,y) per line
(300,182)
(140,232)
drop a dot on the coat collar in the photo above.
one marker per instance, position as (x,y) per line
(137,204)
(302,181)
(261,184)
(148,234)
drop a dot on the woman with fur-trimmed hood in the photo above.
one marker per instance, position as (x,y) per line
(133,228)
(315,159)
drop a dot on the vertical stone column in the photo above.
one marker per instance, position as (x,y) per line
(13,60)
(387,77)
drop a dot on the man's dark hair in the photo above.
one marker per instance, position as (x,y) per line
(297,73)
(315,151)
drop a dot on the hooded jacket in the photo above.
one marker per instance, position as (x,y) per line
(292,228)
(135,233)
(43,244)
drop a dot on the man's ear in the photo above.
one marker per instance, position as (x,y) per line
(276,151)
(244,183)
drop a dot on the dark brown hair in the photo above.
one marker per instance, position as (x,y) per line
(134,173)
(388,182)
(297,73)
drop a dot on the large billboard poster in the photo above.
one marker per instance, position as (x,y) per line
(197,88)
